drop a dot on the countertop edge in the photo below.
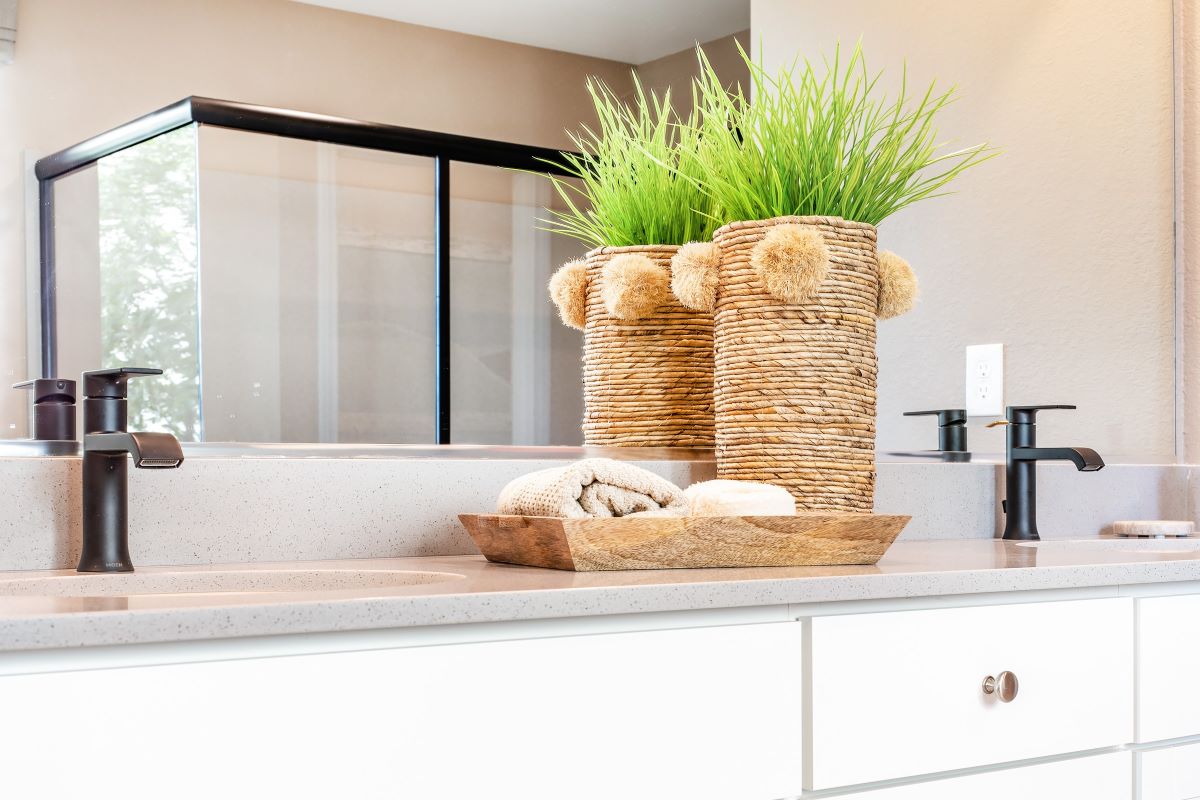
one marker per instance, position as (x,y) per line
(200,623)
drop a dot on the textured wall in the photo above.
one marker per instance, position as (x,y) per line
(1061,248)
(228,510)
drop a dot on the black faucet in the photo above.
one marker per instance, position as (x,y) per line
(1020,505)
(106,447)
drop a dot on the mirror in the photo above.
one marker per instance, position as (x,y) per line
(289,290)
(291,286)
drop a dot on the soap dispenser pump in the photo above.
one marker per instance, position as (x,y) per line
(53,408)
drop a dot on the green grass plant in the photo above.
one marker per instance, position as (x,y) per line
(812,142)
(633,182)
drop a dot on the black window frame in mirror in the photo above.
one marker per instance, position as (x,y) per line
(444,148)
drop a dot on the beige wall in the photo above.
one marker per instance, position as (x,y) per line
(676,71)
(1061,248)
(84,66)
(1187,100)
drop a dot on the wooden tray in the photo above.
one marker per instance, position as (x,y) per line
(594,543)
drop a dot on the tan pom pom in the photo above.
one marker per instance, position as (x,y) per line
(632,286)
(897,286)
(568,290)
(695,269)
(792,261)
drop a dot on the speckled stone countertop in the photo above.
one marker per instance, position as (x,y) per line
(159,604)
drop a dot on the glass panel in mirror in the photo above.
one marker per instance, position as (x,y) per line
(127,277)
(515,372)
(317,291)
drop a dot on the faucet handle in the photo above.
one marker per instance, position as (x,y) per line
(113,382)
(1027,415)
(952,427)
(946,416)
(53,408)
(49,390)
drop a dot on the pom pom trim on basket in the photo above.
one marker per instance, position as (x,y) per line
(568,290)
(792,262)
(695,270)
(633,286)
(646,382)
(898,289)
(795,382)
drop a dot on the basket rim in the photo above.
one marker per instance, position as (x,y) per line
(606,250)
(816,219)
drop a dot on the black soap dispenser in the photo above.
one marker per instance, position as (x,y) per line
(53,408)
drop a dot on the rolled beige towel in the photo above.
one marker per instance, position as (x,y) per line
(723,498)
(593,487)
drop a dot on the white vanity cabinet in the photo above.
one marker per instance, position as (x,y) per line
(707,713)
(1104,777)
(881,700)
(1168,707)
(1170,773)
(1168,646)
(897,694)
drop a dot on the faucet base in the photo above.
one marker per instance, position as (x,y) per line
(99,566)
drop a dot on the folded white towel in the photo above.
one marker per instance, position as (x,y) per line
(593,487)
(739,499)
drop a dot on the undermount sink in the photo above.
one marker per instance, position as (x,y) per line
(1116,545)
(165,581)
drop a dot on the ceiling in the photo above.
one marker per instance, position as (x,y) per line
(631,31)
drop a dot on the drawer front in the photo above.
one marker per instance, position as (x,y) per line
(1168,653)
(701,713)
(899,694)
(1170,774)
(1106,777)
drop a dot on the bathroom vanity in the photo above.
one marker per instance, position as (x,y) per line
(445,677)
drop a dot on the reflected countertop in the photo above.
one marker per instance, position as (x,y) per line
(16,448)
(498,593)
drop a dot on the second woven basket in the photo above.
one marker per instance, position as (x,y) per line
(795,381)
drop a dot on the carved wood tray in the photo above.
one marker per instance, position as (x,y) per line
(584,545)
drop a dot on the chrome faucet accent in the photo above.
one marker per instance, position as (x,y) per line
(106,448)
(1020,505)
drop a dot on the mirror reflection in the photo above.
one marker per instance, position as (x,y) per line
(298,287)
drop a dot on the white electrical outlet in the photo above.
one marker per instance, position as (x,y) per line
(985,380)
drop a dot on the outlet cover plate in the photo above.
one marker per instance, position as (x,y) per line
(985,380)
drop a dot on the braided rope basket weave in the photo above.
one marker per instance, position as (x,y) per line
(646,382)
(795,383)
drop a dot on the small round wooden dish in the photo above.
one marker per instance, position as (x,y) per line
(604,543)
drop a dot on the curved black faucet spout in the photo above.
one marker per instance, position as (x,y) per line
(1084,458)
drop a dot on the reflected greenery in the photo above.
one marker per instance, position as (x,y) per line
(148,279)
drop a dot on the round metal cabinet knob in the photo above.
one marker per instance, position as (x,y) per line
(1005,686)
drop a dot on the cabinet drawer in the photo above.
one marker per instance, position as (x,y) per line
(1168,655)
(898,694)
(1104,777)
(701,713)
(1170,774)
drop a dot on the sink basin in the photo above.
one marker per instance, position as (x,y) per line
(165,581)
(1116,545)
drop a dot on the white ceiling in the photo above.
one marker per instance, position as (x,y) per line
(632,31)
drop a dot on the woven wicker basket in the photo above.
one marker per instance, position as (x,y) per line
(795,384)
(646,382)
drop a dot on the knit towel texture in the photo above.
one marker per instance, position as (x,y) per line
(593,487)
